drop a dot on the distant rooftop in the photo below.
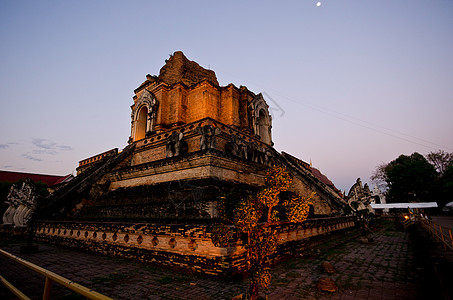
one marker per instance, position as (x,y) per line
(7,176)
(323,178)
(317,173)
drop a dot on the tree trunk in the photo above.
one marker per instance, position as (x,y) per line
(253,289)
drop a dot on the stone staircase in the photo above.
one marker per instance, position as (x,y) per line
(62,200)
(307,177)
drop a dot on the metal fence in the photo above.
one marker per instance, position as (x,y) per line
(438,232)
(49,277)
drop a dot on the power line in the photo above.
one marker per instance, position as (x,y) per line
(349,119)
(359,122)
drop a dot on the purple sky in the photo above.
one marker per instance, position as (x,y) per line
(351,84)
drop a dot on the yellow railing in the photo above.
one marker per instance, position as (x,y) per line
(444,235)
(408,222)
(50,277)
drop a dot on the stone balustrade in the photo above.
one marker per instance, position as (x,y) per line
(97,157)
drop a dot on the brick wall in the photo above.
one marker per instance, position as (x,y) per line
(177,245)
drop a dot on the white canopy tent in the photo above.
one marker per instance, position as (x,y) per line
(404,205)
(449,204)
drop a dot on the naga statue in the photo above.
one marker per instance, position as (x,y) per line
(22,201)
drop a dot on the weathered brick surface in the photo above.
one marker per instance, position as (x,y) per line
(186,92)
(198,166)
(179,69)
(177,245)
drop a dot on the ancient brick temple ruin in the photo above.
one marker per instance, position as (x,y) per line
(155,200)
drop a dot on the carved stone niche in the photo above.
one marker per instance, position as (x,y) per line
(261,119)
(22,200)
(143,116)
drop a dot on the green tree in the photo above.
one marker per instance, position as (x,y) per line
(251,220)
(446,186)
(411,178)
(417,178)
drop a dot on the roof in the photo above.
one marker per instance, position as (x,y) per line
(323,178)
(315,172)
(7,176)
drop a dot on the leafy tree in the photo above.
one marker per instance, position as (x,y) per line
(417,178)
(251,220)
(446,186)
(410,178)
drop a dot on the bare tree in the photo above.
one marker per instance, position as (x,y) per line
(441,160)
(379,177)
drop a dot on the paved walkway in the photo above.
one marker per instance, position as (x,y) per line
(388,268)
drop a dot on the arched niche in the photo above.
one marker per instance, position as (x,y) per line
(264,127)
(261,119)
(141,123)
(143,116)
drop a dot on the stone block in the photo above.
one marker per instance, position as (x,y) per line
(326,284)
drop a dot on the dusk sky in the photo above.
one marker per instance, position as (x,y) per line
(350,84)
